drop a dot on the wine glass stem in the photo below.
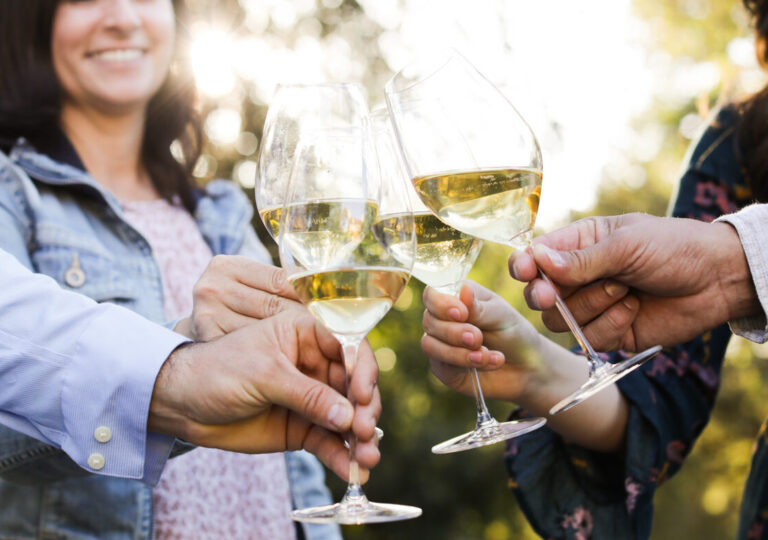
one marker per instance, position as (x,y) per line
(354,494)
(595,362)
(483,416)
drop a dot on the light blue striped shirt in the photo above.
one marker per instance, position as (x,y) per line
(69,366)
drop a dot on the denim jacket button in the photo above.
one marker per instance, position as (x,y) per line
(74,276)
(103,434)
(96,461)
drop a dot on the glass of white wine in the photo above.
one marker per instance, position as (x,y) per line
(343,269)
(476,164)
(295,111)
(444,257)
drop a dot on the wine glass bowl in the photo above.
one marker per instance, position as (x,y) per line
(472,158)
(295,111)
(444,255)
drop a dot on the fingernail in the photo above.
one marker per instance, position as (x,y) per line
(516,268)
(467,339)
(455,314)
(339,416)
(475,357)
(554,257)
(614,288)
(629,305)
(535,298)
(497,358)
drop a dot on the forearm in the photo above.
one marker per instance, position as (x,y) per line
(598,423)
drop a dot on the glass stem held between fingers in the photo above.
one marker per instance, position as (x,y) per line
(487,429)
(601,373)
(573,326)
(354,495)
(484,417)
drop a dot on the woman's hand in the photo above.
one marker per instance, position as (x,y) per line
(517,364)
(481,330)
(235,291)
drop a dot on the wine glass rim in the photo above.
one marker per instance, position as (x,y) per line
(441,58)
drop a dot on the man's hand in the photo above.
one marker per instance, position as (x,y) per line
(273,385)
(232,292)
(685,277)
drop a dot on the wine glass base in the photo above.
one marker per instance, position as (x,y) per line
(357,513)
(603,378)
(491,433)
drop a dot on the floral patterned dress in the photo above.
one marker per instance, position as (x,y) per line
(569,492)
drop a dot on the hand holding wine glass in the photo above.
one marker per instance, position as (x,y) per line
(343,269)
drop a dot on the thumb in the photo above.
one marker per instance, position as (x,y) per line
(477,299)
(315,401)
(580,266)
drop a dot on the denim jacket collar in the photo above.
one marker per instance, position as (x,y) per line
(44,168)
(220,221)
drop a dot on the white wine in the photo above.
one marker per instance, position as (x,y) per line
(271,219)
(444,255)
(492,204)
(350,301)
(324,234)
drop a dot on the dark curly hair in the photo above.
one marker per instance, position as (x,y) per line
(30,98)
(752,129)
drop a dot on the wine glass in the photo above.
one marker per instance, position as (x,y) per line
(296,110)
(343,269)
(477,165)
(444,257)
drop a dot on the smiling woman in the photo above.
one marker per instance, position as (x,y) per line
(113,70)
(106,57)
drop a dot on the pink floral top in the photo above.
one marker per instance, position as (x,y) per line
(206,493)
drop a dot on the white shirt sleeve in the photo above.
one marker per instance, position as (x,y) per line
(79,375)
(752,225)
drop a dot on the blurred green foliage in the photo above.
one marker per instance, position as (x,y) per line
(465,495)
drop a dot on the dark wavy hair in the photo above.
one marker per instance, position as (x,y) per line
(752,129)
(30,97)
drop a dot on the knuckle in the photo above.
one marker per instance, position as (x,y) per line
(219,264)
(312,399)
(425,344)
(585,306)
(427,322)
(204,288)
(272,306)
(278,279)
(580,262)
(552,320)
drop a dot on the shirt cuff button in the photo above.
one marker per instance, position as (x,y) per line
(96,461)
(103,434)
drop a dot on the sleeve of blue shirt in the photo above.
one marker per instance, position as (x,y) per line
(79,376)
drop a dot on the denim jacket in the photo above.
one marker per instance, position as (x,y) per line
(55,218)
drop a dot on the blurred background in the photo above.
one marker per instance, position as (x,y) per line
(615,91)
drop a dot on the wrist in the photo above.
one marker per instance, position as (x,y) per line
(734,277)
(184,327)
(167,408)
(556,372)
